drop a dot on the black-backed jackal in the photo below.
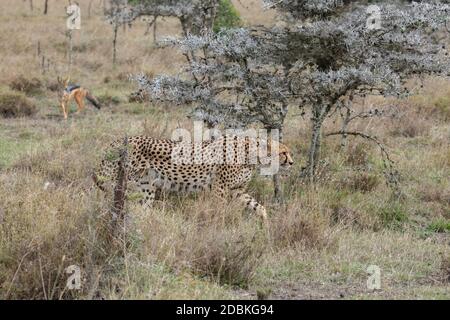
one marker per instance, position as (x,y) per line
(78,94)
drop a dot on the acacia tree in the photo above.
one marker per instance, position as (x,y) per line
(348,49)
(195,16)
(327,51)
(117,14)
(230,80)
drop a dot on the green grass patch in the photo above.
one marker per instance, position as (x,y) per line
(393,215)
(439,226)
(11,150)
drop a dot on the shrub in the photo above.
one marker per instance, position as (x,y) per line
(16,105)
(139,96)
(361,181)
(206,239)
(411,127)
(27,86)
(227,257)
(81,48)
(54,86)
(296,227)
(445,269)
(108,100)
(442,105)
(433,193)
(441,226)
(227,16)
(358,155)
(435,105)
(393,215)
(107,79)
(42,233)
(344,215)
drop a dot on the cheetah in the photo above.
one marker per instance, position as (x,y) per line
(223,166)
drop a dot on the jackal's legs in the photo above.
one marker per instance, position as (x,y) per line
(80,102)
(64,108)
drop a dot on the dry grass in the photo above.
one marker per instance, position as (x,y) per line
(226,254)
(319,242)
(360,181)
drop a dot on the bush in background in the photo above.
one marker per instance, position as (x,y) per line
(14,105)
(27,86)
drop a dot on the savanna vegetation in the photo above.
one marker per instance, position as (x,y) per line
(321,239)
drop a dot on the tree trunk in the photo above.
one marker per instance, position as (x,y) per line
(115,45)
(70,40)
(154,30)
(313,155)
(46,7)
(43,64)
(121,184)
(319,114)
(278,191)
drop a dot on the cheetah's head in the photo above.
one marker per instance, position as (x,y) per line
(285,157)
(284,154)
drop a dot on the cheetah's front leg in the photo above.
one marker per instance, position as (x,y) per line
(148,191)
(250,203)
(242,197)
